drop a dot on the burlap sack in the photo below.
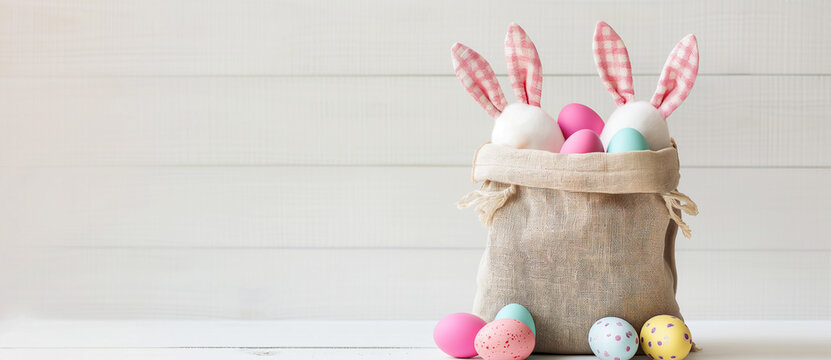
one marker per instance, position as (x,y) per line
(575,238)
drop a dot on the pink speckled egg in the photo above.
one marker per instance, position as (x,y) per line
(505,339)
(454,334)
(576,117)
(581,142)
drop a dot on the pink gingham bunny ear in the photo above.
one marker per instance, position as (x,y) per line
(478,79)
(613,64)
(678,76)
(524,67)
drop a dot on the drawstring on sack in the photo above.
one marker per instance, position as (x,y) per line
(486,202)
(674,199)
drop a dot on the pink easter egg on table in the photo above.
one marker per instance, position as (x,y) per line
(505,339)
(455,334)
(581,142)
(576,117)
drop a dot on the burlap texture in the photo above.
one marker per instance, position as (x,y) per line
(577,238)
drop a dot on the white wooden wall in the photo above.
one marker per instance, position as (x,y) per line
(301,159)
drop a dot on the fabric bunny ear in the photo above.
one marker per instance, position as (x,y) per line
(678,76)
(613,64)
(478,79)
(524,67)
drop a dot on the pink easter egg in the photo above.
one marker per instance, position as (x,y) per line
(576,117)
(505,339)
(581,142)
(455,334)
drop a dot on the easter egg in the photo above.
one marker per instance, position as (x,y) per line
(505,339)
(613,338)
(576,117)
(627,139)
(518,312)
(666,337)
(524,126)
(641,116)
(455,333)
(581,142)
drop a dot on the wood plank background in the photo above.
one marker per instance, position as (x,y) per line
(300,159)
(388,120)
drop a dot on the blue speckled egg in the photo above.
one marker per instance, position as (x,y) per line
(613,339)
(517,312)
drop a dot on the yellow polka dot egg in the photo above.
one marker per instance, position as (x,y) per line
(666,337)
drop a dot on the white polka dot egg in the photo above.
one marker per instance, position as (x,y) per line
(613,339)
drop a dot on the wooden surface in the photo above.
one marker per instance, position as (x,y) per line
(301,159)
(727,340)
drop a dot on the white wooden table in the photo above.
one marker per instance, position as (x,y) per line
(310,340)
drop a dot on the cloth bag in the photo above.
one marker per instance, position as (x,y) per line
(578,237)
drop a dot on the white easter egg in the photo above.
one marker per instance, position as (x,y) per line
(644,118)
(524,126)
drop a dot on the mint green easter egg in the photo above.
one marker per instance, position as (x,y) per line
(517,312)
(627,139)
